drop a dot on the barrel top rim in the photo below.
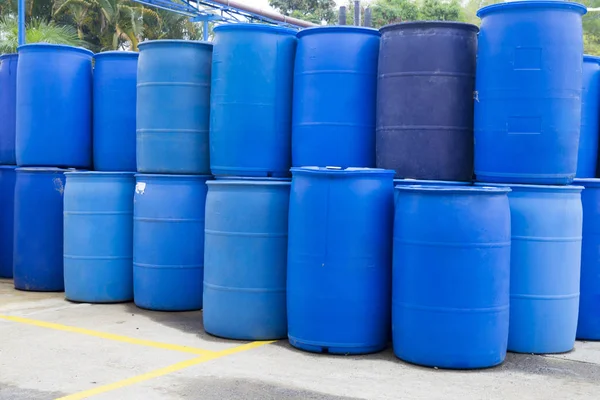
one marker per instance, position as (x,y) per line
(541,188)
(453,189)
(426,24)
(594,182)
(251,178)
(253,182)
(101,173)
(255,27)
(337,28)
(56,46)
(9,55)
(158,42)
(589,57)
(8,167)
(167,176)
(44,169)
(115,53)
(409,181)
(343,171)
(531,4)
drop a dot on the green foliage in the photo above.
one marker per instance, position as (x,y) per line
(37,31)
(310,10)
(439,10)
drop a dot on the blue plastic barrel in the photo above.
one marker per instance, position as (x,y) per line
(528,92)
(8,107)
(251,100)
(587,157)
(451,274)
(339,259)
(426,79)
(115,77)
(588,325)
(245,259)
(98,236)
(54,106)
(168,241)
(173,106)
(38,229)
(7,198)
(546,229)
(335,85)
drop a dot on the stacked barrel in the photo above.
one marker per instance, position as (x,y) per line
(247,204)
(8,114)
(98,205)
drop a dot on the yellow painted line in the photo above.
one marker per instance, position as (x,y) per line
(108,336)
(162,371)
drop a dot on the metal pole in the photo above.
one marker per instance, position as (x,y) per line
(21,22)
(205,31)
(368,18)
(342,15)
(357,12)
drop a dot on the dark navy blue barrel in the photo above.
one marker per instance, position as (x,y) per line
(546,229)
(168,241)
(588,325)
(426,79)
(173,106)
(339,259)
(54,106)
(528,92)
(251,100)
(451,275)
(245,259)
(8,107)
(98,236)
(587,158)
(115,78)
(335,85)
(7,201)
(38,229)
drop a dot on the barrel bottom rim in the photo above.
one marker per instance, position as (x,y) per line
(82,300)
(540,179)
(149,307)
(558,350)
(335,348)
(38,289)
(243,338)
(223,172)
(482,366)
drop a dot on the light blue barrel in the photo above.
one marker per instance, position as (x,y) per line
(588,325)
(245,258)
(587,158)
(98,236)
(38,229)
(339,259)
(8,107)
(115,78)
(54,106)
(528,92)
(451,275)
(251,100)
(546,232)
(173,107)
(7,202)
(168,241)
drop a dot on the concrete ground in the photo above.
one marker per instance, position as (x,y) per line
(54,349)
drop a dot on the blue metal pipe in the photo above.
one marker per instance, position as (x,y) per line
(21,22)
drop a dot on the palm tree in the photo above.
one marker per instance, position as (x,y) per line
(37,30)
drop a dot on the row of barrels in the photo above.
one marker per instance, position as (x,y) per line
(263,99)
(475,270)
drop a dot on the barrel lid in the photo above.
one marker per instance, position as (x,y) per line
(255,27)
(99,173)
(170,176)
(8,167)
(43,169)
(454,189)
(511,5)
(121,54)
(409,181)
(339,171)
(337,28)
(429,24)
(171,42)
(536,188)
(9,55)
(35,46)
(587,182)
